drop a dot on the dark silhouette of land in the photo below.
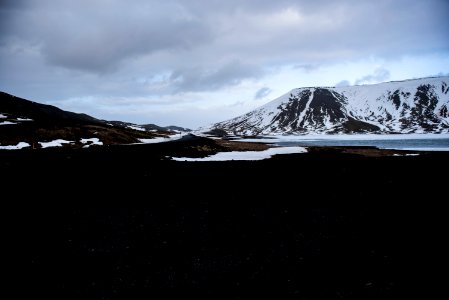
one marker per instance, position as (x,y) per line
(126,222)
(35,122)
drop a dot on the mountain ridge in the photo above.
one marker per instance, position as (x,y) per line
(39,112)
(407,106)
(31,124)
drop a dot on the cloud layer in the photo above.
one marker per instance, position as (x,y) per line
(150,48)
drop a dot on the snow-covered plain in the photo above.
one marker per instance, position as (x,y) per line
(55,143)
(16,147)
(246,155)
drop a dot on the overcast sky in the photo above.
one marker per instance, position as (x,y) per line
(193,62)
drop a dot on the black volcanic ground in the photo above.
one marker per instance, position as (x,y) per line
(125,222)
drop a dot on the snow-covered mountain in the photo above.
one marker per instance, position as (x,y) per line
(418,105)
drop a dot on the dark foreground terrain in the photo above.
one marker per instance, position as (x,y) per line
(124,222)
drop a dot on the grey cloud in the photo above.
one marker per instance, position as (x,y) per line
(235,104)
(235,6)
(107,48)
(262,93)
(7,8)
(202,79)
(306,67)
(94,37)
(10,5)
(379,75)
(343,83)
(442,74)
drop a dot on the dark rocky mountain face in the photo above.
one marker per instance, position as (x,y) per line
(423,114)
(41,113)
(419,106)
(24,121)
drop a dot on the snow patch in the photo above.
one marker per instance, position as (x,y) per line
(136,128)
(163,139)
(22,119)
(7,123)
(90,142)
(303,113)
(18,146)
(2,116)
(246,155)
(55,143)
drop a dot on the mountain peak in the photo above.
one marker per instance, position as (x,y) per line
(415,105)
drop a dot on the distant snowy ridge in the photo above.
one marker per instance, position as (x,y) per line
(410,106)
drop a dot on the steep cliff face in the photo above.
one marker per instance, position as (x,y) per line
(419,106)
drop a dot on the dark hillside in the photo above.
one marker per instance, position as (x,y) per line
(33,122)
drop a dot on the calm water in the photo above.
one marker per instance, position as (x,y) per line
(412,144)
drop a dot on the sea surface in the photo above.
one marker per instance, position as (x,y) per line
(420,144)
(423,142)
